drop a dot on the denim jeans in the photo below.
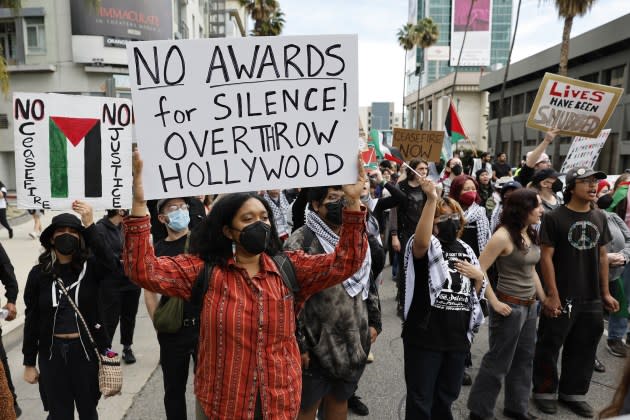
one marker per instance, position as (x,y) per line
(618,325)
(433,380)
(510,357)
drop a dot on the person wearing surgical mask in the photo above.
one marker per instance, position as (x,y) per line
(76,259)
(177,349)
(456,169)
(248,363)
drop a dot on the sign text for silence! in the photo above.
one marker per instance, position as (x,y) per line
(575,107)
(418,144)
(71,147)
(228,115)
(584,151)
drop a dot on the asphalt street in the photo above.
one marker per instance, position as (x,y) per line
(382,387)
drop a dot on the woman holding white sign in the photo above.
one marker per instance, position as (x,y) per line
(248,363)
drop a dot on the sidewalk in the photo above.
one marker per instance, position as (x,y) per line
(24,252)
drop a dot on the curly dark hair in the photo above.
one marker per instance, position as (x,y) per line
(516,209)
(207,240)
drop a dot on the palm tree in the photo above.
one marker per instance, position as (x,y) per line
(499,139)
(267,16)
(567,9)
(405,36)
(426,34)
(273,27)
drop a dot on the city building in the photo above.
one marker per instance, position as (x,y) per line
(67,46)
(379,116)
(431,73)
(601,55)
(435,63)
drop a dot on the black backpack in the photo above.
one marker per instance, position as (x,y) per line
(199,289)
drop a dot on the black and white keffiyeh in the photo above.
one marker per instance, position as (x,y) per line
(495,219)
(280,212)
(476,213)
(438,277)
(360,281)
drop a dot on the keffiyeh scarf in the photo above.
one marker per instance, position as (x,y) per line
(476,213)
(438,277)
(280,210)
(360,281)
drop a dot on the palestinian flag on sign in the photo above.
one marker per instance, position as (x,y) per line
(454,131)
(74,146)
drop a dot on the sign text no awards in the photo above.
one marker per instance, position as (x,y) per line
(245,114)
(576,107)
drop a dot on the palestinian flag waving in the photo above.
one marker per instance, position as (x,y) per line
(454,131)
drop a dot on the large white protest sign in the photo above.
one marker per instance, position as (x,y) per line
(244,114)
(575,107)
(70,147)
(584,151)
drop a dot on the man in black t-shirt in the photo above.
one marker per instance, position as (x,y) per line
(574,265)
(501,168)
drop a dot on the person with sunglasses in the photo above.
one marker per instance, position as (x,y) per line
(574,265)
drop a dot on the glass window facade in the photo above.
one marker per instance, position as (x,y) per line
(440,12)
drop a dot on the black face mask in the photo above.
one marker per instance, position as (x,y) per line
(334,212)
(67,244)
(447,230)
(557,185)
(457,170)
(255,237)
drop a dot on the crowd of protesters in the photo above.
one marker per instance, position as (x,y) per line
(277,291)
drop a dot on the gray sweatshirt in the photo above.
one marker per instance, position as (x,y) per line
(620,242)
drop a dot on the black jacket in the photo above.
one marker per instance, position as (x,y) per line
(7,276)
(112,235)
(40,313)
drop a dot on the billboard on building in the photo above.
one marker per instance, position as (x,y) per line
(412,17)
(476,52)
(126,19)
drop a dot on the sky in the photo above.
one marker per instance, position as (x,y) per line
(381,59)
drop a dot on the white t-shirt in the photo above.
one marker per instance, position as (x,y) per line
(3,201)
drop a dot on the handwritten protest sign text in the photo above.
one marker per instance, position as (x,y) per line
(71,147)
(227,115)
(419,144)
(575,107)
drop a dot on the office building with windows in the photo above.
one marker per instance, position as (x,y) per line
(425,100)
(67,46)
(601,55)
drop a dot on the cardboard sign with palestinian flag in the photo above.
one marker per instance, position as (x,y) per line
(70,147)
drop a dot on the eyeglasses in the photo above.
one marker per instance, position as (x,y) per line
(445,217)
(175,207)
(587,181)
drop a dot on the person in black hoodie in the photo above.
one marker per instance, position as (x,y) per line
(120,296)
(52,331)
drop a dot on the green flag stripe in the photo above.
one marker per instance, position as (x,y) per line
(57,150)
